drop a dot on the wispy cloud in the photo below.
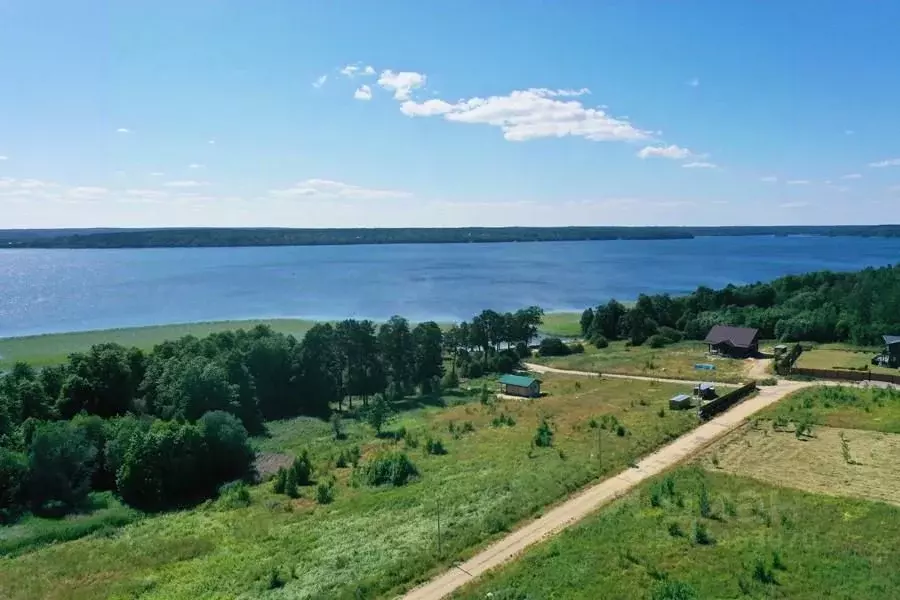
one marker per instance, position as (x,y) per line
(851,176)
(195,166)
(401,84)
(189,183)
(364,92)
(700,165)
(123,130)
(357,69)
(693,82)
(890,162)
(769,179)
(798,182)
(2,157)
(672,152)
(320,81)
(326,188)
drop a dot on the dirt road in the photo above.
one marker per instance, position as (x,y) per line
(596,496)
(536,368)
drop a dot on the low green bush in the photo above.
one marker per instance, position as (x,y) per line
(389,468)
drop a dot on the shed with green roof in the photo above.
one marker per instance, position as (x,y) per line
(520,385)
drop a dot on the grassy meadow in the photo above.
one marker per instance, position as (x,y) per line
(848,407)
(676,361)
(370,542)
(51,349)
(839,356)
(755,541)
(562,324)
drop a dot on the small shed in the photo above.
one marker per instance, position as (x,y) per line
(680,401)
(705,391)
(520,385)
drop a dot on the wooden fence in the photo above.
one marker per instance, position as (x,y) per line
(723,403)
(846,375)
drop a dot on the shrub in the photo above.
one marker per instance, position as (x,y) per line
(620,430)
(468,427)
(661,412)
(61,462)
(522,350)
(576,348)
(777,562)
(435,447)
(600,342)
(553,346)
(593,423)
(657,341)
(290,484)
(389,468)
(668,589)
(543,437)
(766,381)
(675,529)
(702,535)
(234,494)
(275,580)
(450,380)
(484,396)
(325,491)
(13,470)
(655,497)
(670,334)
(302,468)
(410,439)
(337,426)
(762,573)
(502,420)
(704,503)
(280,481)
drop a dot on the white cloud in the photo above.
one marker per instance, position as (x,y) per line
(700,165)
(325,188)
(195,166)
(364,92)
(157,174)
(694,82)
(354,70)
(368,70)
(320,81)
(672,152)
(891,162)
(851,176)
(402,83)
(798,182)
(123,130)
(769,179)
(190,183)
(531,114)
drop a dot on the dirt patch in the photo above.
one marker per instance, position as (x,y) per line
(759,368)
(868,468)
(268,463)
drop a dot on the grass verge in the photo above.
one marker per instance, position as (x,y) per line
(873,408)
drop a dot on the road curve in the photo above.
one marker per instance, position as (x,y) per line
(594,497)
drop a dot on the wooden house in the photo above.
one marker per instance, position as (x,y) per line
(520,385)
(890,357)
(736,342)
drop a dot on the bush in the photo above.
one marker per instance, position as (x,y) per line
(762,573)
(766,381)
(61,462)
(668,589)
(450,380)
(228,451)
(675,529)
(658,341)
(702,535)
(620,430)
(233,495)
(704,503)
(502,420)
(290,484)
(672,335)
(599,341)
(280,482)
(543,437)
(389,468)
(13,471)
(576,348)
(325,492)
(337,426)
(522,350)
(552,346)
(435,447)
(302,469)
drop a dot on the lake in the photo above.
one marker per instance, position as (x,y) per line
(46,291)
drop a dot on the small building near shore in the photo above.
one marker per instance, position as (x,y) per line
(520,385)
(680,402)
(735,342)
(890,356)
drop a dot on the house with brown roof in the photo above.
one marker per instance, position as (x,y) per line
(736,342)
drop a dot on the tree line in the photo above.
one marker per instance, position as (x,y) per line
(210,237)
(824,306)
(166,427)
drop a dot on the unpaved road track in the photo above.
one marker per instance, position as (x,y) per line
(536,368)
(592,498)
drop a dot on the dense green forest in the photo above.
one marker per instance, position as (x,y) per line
(855,307)
(166,428)
(200,237)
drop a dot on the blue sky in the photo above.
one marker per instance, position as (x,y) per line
(227,113)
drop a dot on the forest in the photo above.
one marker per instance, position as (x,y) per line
(217,237)
(858,308)
(167,428)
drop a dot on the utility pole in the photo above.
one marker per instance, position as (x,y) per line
(600,446)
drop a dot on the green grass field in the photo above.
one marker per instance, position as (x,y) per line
(766,542)
(877,409)
(562,324)
(835,356)
(369,542)
(676,361)
(50,349)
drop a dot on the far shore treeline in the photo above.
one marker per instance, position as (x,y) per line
(168,427)
(224,237)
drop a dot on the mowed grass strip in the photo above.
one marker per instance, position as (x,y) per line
(52,349)
(848,407)
(843,462)
(368,542)
(758,541)
(676,361)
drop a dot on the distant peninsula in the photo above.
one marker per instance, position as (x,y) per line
(231,237)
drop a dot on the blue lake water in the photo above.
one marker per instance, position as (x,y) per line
(44,291)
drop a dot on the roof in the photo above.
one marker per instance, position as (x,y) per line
(739,337)
(680,398)
(519,380)
(890,340)
(706,386)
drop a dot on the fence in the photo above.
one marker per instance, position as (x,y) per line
(847,375)
(723,403)
(784,364)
